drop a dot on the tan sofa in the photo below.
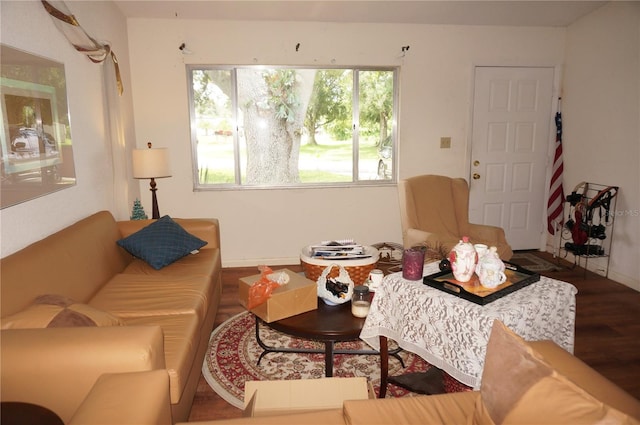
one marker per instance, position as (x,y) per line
(163,318)
(523,383)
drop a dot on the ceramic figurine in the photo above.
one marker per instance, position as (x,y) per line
(463,259)
(490,269)
(481,249)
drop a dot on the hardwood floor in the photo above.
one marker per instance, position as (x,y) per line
(607,331)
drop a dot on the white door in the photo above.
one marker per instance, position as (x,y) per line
(510,139)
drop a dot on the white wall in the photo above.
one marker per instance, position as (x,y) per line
(270,226)
(600,89)
(25,25)
(601,103)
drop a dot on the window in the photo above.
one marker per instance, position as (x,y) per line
(292,127)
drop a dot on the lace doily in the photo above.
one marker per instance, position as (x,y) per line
(452,333)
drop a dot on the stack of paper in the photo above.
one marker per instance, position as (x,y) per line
(345,249)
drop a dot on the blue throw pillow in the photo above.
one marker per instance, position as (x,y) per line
(161,243)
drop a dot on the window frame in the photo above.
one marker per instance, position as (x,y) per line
(238,185)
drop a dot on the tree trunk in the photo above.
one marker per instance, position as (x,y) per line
(311,129)
(384,131)
(273,144)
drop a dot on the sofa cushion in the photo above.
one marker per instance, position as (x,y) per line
(57,311)
(76,262)
(518,386)
(139,295)
(161,243)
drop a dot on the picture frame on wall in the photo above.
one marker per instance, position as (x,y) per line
(35,139)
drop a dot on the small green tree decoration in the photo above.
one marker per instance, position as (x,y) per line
(138,212)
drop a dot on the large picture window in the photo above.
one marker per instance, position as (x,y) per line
(292,127)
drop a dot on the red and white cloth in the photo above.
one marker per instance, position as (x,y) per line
(556,192)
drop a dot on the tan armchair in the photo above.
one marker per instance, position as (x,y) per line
(435,209)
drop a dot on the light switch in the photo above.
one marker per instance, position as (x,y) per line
(445,142)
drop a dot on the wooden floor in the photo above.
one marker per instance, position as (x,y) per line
(607,331)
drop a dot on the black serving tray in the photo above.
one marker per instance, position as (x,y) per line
(517,277)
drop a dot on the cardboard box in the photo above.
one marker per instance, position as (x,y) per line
(266,398)
(298,296)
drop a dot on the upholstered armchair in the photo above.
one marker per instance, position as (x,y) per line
(435,210)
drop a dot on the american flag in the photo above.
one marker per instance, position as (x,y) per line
(556,192)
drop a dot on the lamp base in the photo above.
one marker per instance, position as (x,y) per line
(155,211)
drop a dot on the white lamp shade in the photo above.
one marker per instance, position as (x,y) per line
(151,163)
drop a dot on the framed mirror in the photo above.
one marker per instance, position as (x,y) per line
(37,153)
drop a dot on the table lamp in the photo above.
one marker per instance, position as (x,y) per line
(151,163)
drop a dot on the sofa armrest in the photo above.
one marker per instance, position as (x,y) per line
(319,417)
(587,378)
(133,398)
(57,367)
(486,232)
(496,234)
(206,229)
(451,408)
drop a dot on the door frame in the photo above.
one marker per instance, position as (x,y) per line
(547,242)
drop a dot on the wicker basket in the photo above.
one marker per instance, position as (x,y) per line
(358,269)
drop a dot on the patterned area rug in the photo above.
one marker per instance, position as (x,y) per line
(533,263)
(233,355)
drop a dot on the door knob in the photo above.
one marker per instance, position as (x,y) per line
(476,176)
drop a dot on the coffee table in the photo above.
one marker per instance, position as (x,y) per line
(328,324)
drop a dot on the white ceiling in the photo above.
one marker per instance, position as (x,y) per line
(447,12)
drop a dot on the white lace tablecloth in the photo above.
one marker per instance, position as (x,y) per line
(452,333)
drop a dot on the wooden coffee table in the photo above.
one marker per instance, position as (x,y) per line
(328,324)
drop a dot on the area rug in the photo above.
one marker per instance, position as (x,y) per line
(532,262)
(233,353)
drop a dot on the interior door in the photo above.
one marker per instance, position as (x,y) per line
(510,138)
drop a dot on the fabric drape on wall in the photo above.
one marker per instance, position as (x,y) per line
(69,26)
(120,154)
(98,52)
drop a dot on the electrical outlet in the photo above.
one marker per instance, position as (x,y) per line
(445,142)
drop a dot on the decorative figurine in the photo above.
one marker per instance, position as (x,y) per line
(138,211)
(490,269)
(463,259)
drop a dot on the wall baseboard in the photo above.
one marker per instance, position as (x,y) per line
(598,265)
